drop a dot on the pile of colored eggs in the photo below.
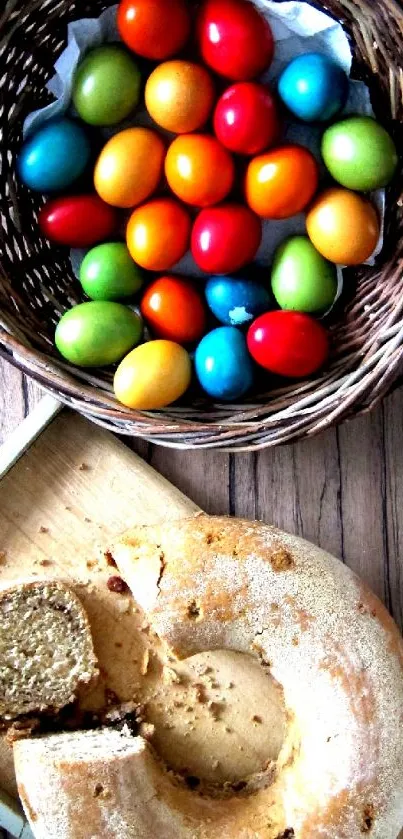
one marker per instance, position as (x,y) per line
(207,190)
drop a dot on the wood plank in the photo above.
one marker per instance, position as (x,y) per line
(393,439)
(18,395)
(295,487)
(362,499)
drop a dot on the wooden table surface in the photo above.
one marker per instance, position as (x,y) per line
(342,490)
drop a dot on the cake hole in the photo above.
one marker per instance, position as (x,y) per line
(225,748)
(98,790)
(287,834)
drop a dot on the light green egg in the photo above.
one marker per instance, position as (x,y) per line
(302,280)
(108,272)
(97,333)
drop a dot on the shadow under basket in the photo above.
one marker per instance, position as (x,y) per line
(37,283)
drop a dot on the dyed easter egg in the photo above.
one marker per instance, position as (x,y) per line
(225,238)
(223,366)
(313,87)
(153,375)
(158,234)
(234,39)
(78,221)
(236,301)
(108,272)
(106,85)
(97,333)
(343,226)
(289,344)
(55,156)
(155,29)
(180,96)
(301,279)
(199,170)
(281,182)
(359,153)
(246,120)
(173,308)
(130,166)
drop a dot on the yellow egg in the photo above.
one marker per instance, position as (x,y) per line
(153,375)
(129,168)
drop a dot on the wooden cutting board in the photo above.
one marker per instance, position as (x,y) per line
(61,504)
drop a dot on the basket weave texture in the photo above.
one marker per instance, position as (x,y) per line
(37,284)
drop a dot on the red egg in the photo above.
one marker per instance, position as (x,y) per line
(234,39)
(155,29)
(225,238)
(174,309)
(246,119)
(78,221)
(288,344)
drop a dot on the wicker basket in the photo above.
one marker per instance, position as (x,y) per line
(37,285)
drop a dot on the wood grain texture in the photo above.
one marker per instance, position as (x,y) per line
(342,490)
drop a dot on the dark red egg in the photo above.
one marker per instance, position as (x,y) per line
(78,221)
(246,119)
(225,238)
(290,344)
(234,39)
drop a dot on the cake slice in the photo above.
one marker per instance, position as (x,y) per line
(46,648)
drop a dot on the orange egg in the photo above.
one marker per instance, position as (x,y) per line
(130,166)
(199,170)
(281,182)
(158,234)
(343,226)
(180,96)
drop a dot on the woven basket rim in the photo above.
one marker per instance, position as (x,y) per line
(367,362)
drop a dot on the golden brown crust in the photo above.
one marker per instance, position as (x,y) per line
(216,583)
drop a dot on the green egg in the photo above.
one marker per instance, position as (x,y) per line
(359,153)
(97,333)
(106,86)
(108,272)
(302,280)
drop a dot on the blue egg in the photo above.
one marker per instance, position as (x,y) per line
(313,87)
(55,156)
(236,301)
(223,365)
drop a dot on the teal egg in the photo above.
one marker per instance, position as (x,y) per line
(55,156)
(359,153)
(313,87)
(108,272)
(302,279)
(106,85)
(97,333)
(223,365)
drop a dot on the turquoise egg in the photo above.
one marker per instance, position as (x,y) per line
(55,156)
(97,333)
(313,87)
(235,300)
(223,365)
(108,272)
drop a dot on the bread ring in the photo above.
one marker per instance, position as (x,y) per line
(216,583)
(211,583)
